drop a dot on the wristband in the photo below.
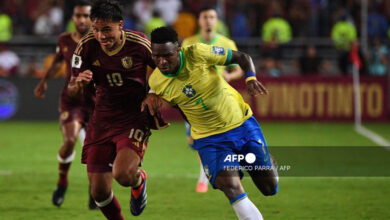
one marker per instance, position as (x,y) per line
(250,76)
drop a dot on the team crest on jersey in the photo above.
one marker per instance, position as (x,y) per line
(189,91)
(218,50)
(65,49)
(127,62)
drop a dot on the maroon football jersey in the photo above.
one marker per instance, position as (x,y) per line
(67,43)
(119,77)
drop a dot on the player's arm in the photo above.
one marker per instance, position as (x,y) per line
(51,72)
(78,83)
(245,62)
(233,73)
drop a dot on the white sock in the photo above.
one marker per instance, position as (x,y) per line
(69,159)
(202,176)
(105,202)
(245,209)
(82,136)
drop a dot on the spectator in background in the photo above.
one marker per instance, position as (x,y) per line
(343,35)
(376,25)
(275,31)
(310,63)
(168,9)
(185,24)
(155,22)
(143,12)
(43,25)
(240,26)
(378,62)
(5,26)
(56,15)
(9,62)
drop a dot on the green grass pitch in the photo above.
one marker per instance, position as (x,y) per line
(28,174)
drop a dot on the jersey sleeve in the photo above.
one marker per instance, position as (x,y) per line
(79,60)
(60,48)
(232,46)
(211,55)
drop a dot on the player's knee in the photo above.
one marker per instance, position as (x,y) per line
(69,142)
(230,188)
(100,193)
(271,189)
(125,177)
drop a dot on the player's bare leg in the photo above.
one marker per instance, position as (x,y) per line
(65,157)
(229,182)
(101,191)
(267,181)
(126,173)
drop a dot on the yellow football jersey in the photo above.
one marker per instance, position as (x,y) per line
(218,40)
(209,103)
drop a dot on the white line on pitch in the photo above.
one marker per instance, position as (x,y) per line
(379,140)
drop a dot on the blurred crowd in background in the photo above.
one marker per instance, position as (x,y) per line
(283,36)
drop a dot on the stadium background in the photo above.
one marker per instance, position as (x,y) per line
(309,111)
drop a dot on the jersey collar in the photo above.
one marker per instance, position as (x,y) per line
(211,42)
(111,53)
(180,68)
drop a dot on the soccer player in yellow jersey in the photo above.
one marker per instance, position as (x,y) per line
(207,21)
(226,135)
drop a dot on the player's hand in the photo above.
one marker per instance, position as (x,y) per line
(226,76)
(84,77)
(254,87)
(40,90)
(152,102)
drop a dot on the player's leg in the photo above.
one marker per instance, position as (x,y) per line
(99,158)
(229,182)
(130,151)
(65,157)
(101,191)
(224,175)
(202,184)
(264,170)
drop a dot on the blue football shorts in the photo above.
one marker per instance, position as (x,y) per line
(242,148)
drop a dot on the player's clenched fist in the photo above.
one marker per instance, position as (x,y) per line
(84,77)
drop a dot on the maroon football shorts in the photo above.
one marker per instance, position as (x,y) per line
(100,155)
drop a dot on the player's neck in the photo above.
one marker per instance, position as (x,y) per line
(208,36)
(76,36)
(117,44)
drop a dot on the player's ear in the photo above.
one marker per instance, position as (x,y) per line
(121,24)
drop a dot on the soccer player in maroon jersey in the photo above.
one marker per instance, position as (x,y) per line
(115,61)
(74,114)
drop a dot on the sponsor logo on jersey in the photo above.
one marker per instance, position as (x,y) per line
(189,91)
(127,62)
(218,50)
(76,61)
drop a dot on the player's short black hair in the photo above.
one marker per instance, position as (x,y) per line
(163,35)
(83,3)
(206,8)
(106,10)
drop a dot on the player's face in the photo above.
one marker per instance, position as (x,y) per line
(108,33)
(81,18)
(166,57)
(208,20)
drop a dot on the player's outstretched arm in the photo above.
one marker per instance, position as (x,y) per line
(55,66)
(76,84)
(253,86)
(152,102)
